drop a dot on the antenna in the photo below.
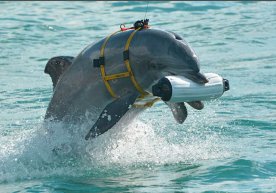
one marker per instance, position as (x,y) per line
(146,10)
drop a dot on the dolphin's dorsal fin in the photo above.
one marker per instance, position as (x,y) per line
(111,114)
(56,66)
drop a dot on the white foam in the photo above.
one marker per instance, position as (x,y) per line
(29,154)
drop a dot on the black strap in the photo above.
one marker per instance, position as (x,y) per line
(98,62)
(126,54)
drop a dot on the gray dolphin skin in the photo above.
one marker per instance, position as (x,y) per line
(79,88)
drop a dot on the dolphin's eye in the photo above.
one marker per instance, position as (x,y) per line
(178,37)
(153,66)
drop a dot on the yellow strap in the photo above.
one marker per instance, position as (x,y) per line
(106,40)
(135,83)
(107,85)
(129,73)
(148,104)
(116,76)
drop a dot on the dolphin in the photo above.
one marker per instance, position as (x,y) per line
(153,54)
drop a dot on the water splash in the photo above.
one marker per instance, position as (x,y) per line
(60,150)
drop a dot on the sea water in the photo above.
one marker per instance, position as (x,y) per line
(229,146)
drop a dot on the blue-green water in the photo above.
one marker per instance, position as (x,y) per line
(229,146)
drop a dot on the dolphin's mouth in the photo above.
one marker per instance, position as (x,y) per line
(196,77)
(169,73)
(172,73)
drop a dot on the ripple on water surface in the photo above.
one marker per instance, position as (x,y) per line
(228,146)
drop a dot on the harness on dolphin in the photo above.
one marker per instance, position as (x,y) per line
(113,112)
(173,90)
(138,25)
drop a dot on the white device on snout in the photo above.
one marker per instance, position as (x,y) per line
(180,89)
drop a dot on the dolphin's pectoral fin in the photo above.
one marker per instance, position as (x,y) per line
(196,105)
(179,111)
(56,66)
(111,114)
